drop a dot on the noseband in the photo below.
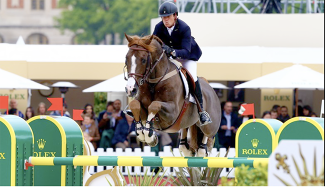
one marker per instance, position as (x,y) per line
(150,67)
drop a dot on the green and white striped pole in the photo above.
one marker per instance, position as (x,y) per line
(212,162)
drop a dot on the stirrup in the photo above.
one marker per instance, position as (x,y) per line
(204,118)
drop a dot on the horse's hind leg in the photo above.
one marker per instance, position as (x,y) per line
(183,145)
(203,150)
(135,108)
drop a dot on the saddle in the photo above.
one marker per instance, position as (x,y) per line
(189,83)
(189,86)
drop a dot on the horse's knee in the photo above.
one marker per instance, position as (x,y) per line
(154,107)
(135,105)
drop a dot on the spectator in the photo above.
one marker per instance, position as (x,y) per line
(41,110)
(29,113)
(284,114)
(106,127)
(307,111)
(228,126)
(267,115)
(274,114)
(13,104)
(117,109)
(89,109)
(90,130)
(108,121)
(121,135)
(65,111)
(277,108)
(101,114)
(13,111)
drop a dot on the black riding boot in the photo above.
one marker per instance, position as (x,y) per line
(204,116)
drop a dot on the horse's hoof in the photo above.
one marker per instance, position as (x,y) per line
(154,142)
(141,136)
(201,153)
(186,152)
(141,140)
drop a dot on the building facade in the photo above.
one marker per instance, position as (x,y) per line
(33,20)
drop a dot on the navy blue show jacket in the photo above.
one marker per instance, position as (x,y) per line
(180,40)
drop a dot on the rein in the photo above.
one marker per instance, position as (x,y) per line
(149,69)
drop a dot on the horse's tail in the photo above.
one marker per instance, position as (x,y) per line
(197,137)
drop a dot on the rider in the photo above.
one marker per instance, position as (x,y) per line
(180,45)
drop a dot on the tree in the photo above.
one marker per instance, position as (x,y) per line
(92,20)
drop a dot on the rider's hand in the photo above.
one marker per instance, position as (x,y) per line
(168,50)
(105,116)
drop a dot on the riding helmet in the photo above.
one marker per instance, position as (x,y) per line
(167,8)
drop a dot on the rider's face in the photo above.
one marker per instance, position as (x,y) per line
(169,21)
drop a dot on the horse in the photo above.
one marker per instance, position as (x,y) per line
(159,103)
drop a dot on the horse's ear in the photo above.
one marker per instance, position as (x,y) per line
(129,38)
(148,41)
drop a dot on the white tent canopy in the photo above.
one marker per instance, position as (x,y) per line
(116,54)
(13,81)
(296,76)
(218,85)
(115,84)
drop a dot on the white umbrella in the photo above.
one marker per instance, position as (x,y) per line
(12,81)
(218,85)
(294,77)
(115,84)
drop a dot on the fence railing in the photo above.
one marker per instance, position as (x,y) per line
(167,152)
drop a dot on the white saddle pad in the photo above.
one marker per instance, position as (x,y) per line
(185,82)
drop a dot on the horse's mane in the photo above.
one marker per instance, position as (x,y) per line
(136,40)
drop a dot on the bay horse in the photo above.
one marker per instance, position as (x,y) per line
(159,104)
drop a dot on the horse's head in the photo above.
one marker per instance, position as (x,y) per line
(142,53)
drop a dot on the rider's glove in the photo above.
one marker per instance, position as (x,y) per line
(169,51)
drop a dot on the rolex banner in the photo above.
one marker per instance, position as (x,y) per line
(256,138)
(56,137)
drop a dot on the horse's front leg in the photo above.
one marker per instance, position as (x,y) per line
(167,108)
(135,107)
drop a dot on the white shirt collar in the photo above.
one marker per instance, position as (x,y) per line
(170,30)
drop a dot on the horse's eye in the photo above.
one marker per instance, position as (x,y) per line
(143,61)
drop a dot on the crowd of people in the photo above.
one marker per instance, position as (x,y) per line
(231,120)
(112,128)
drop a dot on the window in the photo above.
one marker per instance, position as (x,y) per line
(38,4)
(37,39)
(1,39)
(15,4)
(55,4)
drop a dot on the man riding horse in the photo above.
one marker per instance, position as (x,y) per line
(180,45)
(161,102)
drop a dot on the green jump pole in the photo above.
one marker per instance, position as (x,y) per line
(212,162)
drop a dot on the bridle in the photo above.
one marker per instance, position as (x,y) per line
(149,69)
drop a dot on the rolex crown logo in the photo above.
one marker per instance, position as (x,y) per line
(255,142)
(41,144)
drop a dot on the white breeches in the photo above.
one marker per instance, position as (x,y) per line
(191,66)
